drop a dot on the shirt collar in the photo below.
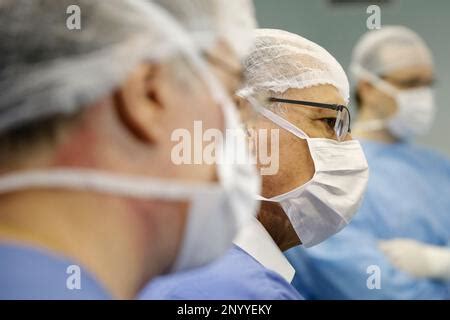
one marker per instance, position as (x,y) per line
(257,242)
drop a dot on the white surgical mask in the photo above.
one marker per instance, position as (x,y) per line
(325,204)
(415,113)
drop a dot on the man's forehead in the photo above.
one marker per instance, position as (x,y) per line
(324,93)
(410,73)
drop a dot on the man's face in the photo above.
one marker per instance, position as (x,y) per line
(383,104)
(296,166)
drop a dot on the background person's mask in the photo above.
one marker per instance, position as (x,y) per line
(325,204)
(415,113)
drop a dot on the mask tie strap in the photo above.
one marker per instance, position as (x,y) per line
(281,122)
(105,183)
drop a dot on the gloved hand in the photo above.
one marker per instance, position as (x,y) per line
(418,259)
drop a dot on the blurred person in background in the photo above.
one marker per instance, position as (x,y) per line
(403,227)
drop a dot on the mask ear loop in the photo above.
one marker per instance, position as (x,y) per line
(375,80)
(281,122)
(386,87)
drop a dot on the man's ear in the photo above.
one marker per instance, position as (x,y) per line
(364,87)
(139,105)
(366,90)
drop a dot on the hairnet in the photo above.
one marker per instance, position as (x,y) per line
(47,69)
(281,60)
(207,20)
(392,47)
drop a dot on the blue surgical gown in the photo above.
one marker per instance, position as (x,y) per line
(408,196)
(236,276)
(35,274)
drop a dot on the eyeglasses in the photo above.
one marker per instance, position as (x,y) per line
(342,125)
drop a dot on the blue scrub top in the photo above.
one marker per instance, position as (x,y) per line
(35,274)
(236,276)
(408,196)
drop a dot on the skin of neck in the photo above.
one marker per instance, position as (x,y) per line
(111,245)
(277,224)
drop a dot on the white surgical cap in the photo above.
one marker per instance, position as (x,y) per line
(208,20)
(281,60)
(47,69)
(390,48)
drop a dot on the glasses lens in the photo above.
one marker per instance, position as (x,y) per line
(342,124)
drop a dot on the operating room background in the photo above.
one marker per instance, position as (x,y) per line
(337,27)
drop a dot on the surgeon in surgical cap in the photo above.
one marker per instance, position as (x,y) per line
(296,88)
(92,206)
(397,246)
